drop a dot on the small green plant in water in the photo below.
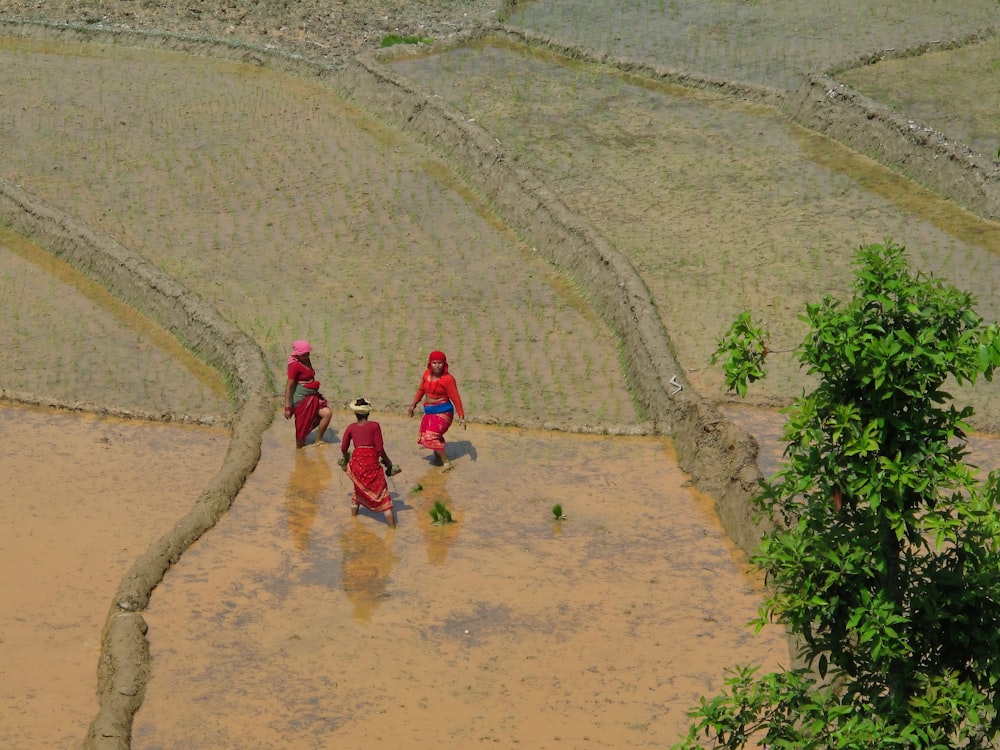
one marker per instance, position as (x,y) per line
(392,39)
(557,512)
(417,488)
(440,514)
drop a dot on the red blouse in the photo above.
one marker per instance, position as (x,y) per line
(363,434)
(299,373)
(438,390)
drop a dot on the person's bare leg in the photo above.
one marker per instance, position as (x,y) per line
(325,415)
(390,519)
(354,510)
(444,462)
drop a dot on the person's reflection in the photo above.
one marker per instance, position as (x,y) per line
(310,478)
(366,562)
(439,538)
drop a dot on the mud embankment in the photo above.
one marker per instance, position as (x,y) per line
(720,456)
(123,667)
(918,151)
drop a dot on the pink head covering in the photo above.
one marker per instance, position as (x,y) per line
(299,347)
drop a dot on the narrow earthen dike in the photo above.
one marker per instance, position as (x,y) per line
(720,457)
(123,668)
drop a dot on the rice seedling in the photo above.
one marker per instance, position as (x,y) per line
(557,512)
(440,515)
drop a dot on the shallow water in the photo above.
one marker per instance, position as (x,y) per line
(293,624)
(81,497)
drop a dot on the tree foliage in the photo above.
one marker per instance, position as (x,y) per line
(885,560)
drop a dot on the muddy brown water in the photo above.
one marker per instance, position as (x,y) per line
(292,624)
(81,498)
(295,625)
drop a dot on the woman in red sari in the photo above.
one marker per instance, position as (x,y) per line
(363,466)
(302,397)
(439,391)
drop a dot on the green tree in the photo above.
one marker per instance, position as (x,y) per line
(885,560)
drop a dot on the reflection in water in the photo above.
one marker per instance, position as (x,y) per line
(439,538)
(310,478)
(365,567)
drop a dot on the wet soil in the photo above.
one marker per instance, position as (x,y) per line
(506,627)
(82,498)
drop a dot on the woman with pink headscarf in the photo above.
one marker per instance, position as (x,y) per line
(439,391)
(302,397)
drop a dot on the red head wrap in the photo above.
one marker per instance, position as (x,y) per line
(437,356)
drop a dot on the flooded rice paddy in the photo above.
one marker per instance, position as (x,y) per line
(292,624)
(704,194)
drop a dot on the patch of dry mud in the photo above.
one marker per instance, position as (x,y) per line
(319,29)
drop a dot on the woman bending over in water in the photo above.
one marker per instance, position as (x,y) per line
(370,489)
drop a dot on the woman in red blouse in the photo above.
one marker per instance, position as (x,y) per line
(439,391)
(302,396)
(370,489)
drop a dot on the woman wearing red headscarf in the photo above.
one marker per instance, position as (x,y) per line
(302,396)
(439,392)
